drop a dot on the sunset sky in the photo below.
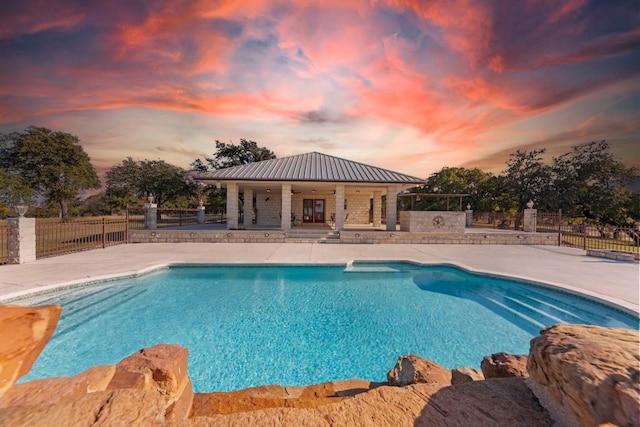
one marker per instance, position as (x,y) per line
(407,85)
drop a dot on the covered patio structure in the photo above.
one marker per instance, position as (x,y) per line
(310,189)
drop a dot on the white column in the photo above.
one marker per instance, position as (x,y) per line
(232,205)
(377,208)
(392,206)
(530,220)
(340,207)
(22,240)
(151,216)
(248,207)
(285,220)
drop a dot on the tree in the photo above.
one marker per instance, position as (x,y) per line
(51,164)
(451,180)
(527,178)
(132,181)
(589,182)
(229,155)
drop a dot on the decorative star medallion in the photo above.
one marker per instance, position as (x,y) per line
(438,221)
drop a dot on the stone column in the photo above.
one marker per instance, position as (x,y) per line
(530,220)
(377,208)
(232,206)
(200,213)
(150,216)
(392,207)
(340,207)
(285,220)
(248,208)
(468,217)
(22,240)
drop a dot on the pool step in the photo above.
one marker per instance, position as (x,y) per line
(75,314)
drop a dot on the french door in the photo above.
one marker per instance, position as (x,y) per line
(313,210)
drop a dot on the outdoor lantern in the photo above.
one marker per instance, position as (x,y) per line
(530,204)
(22,208)
(468,206)
(150,198)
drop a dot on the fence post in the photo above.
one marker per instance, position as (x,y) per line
(584,238)
(104,233)
(126,225)
(22,240)
(559,227)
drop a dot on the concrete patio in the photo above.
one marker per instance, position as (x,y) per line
(606,280)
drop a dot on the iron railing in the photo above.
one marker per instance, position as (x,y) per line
(56,237)
(172,217)
(610,237)
(4,243)
(499,220)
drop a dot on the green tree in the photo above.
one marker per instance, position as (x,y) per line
(51,164)
(454,180)
(130,183)
(229,155)
(589,182)
(526,178)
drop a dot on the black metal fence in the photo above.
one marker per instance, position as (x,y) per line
(56,237)
(172,217)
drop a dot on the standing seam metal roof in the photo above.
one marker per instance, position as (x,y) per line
(310,167)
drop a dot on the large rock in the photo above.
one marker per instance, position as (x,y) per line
(24,331)
(412,369)
(162,368)
(587,375)
(465,375)
(52,390)
(274,396)
(504,365)
(103,408)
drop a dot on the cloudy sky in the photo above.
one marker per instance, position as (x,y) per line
(407,85)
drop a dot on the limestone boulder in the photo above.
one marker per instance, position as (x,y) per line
(24,331)
(52,390)
(102,408)
(504,365)
(162,368)
(587,375)
(412,369)
(465,375)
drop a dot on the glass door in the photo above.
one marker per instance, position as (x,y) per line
(318,213)
(313,210)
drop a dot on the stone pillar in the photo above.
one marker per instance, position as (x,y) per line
(22,240)
(392,207)
(248,208)
(377,208)
(530,220)
(151,216)
(468,222)
(285,220)
(200,213)
(340,207)
(232,206)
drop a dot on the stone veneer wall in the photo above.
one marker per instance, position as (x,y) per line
(358,207)
(432,221)
(279,236)
(268,211)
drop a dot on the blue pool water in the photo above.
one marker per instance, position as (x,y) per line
(248,326)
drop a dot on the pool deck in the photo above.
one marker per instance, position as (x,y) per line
(607,280)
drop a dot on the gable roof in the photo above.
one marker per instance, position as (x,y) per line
(310,167)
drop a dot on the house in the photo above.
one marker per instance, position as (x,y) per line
(311,188)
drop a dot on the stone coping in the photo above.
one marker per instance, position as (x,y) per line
(608,301)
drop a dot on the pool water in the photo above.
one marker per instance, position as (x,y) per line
(248,326)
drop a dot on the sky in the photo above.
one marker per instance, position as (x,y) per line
(411,86)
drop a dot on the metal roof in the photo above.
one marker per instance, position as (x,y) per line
(310,167)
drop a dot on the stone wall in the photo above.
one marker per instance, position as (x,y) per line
(268,211)
(279,236)
(358,207)
(432,221)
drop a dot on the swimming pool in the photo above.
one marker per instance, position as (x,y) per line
(293,325)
